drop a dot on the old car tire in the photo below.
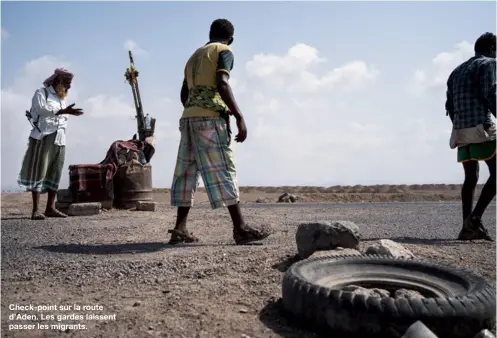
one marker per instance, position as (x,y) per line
(459,304)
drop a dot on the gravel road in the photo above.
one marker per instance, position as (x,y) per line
(118,263)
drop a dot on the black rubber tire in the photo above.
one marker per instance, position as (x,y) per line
(462,304)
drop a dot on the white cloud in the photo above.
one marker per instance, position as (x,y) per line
(436,74)
(4,33)
(134,47)
(293,73)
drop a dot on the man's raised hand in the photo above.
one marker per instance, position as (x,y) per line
(69,110)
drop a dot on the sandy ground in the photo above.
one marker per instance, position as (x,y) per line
(119,263)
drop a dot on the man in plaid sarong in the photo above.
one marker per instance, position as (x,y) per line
(471,102)
(43,162)
(206,137)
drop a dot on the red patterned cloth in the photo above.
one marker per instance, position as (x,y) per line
(85,177)
(121,152)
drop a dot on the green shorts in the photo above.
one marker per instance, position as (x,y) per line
(476,152)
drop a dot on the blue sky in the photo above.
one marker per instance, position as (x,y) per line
(388,126)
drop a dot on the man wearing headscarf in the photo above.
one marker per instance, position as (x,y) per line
(43,162)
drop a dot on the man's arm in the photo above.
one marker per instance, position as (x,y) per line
(449,105)
(39,105)
(224,67)
(449,102)
(487,84)
(184,92)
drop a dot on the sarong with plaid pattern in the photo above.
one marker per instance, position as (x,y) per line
(42,165)
(205,151)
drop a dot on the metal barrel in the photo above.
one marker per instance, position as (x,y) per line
(132,183)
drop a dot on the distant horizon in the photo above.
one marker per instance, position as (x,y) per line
(297,186)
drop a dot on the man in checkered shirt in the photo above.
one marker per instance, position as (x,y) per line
(471,95)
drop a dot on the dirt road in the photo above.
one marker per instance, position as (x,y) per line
(118,263)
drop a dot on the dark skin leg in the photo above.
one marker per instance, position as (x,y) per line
(236,217)
(182,218)
(471,171)
(488,191)
(234,210)
(36,200)
(51,201)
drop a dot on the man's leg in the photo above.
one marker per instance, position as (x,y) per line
(36,215)
(181,218)
(217,167)
(471,173)
(184,186)
(488,191)
(242,233)
(57,156)
(50,208)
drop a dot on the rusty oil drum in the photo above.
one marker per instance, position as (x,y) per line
(132,183)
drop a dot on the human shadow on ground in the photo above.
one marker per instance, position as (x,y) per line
(7,218)
(275,318)
(109,249)
(425,241)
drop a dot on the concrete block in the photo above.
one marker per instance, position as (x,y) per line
(145,206)
(107,204)
(64,196)
(62,206)
(84,209)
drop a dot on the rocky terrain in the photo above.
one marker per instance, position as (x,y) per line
(119,263)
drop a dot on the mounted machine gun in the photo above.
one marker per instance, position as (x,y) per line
(145,124)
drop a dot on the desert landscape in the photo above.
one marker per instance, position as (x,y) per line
(119,263)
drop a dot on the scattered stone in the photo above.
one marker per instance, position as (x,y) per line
(312,237)
(261,200)
(137,304)
(388,247)
(84,209)
(145,206)
(484,334)
(64,196)
(405,293)
(334,253)
(418,330)
(243,310)
(359,290)
(287,198)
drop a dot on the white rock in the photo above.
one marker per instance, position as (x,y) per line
(145,206)
(388,247)
(84,209)
(418,329)
(405,293)
(485,334)
(359,290)
(334,253)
